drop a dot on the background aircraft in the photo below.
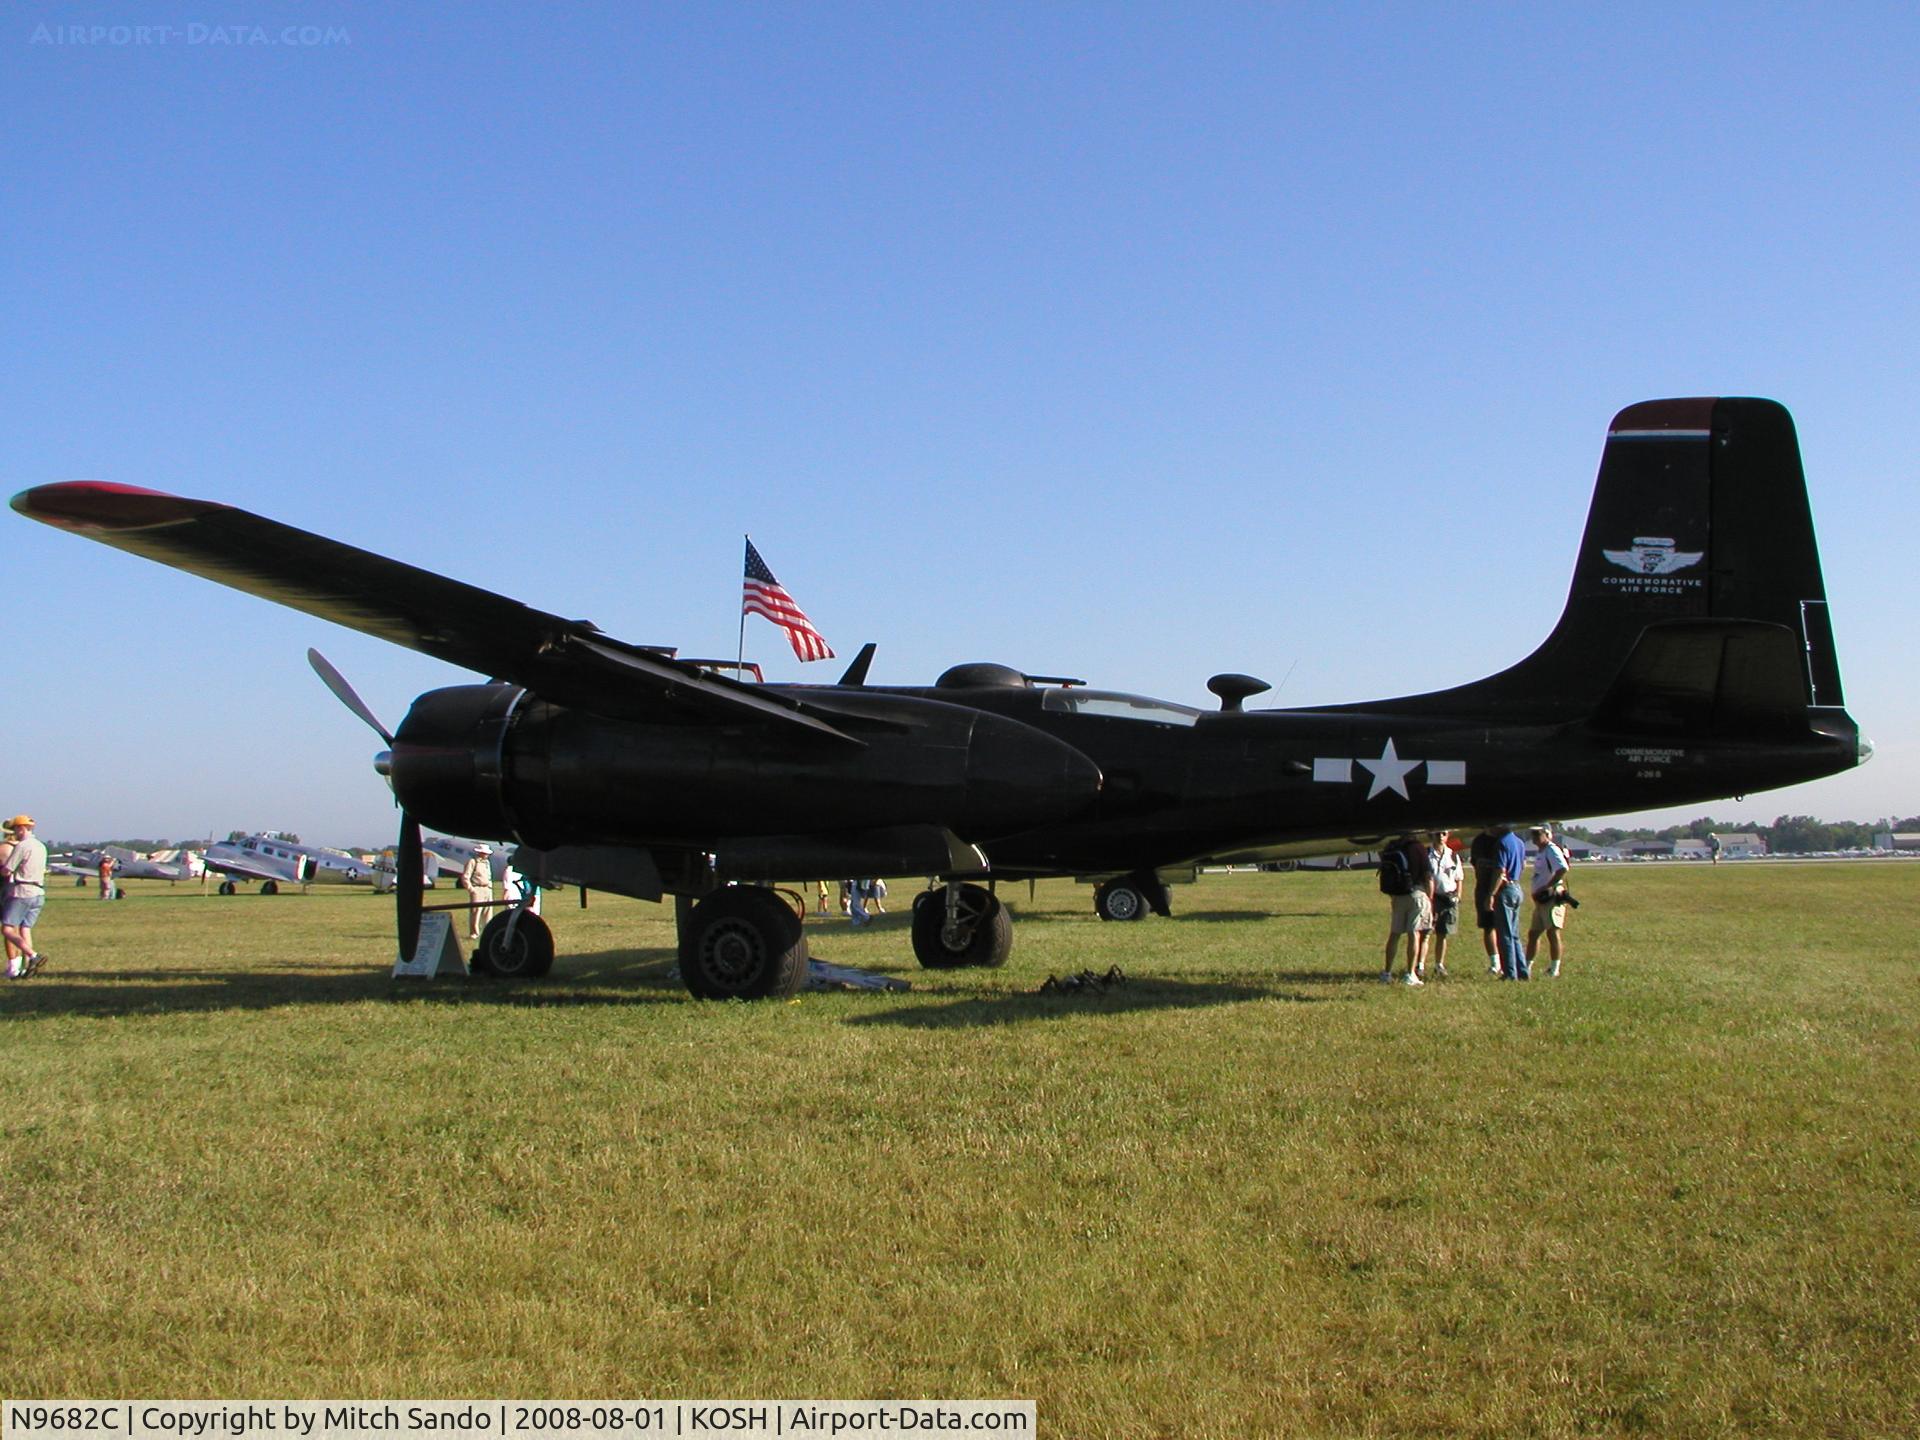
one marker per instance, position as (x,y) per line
(274,861)
(173,865)
(1699,666)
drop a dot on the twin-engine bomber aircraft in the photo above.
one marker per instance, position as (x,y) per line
(1694,660)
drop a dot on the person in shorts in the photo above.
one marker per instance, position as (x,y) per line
(1412,913)
(1485,855)
(26,891)
(1549,900)
(1444,861)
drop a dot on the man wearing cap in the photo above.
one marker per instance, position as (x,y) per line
(25,873)
(477,876)
(1549,899)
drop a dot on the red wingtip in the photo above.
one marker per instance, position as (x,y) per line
(1692,414)
(103,505)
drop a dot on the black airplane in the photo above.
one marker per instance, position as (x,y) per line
(1694,660)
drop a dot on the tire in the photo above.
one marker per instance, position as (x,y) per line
(528,957)
(742,943)
(982,937)
(1120,900)
(226,887)
(270,887)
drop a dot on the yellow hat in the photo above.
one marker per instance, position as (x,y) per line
(18,821)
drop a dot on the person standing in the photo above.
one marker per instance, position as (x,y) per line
(107,866)
(1406,875)
(1506,904)
(26,892)
(1549,899)
(477,876)
(1485,855)
(1445,861)
(6,853)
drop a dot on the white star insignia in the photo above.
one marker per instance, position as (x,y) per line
(1389,772)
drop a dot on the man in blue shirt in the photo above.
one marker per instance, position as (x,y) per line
(1506,905)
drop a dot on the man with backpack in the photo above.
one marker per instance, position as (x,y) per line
(1406,875)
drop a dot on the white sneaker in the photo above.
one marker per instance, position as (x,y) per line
(1493,967)
(1555,971)
(1413,979)
(1442,970)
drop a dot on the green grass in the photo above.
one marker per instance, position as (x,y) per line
(1253,1191)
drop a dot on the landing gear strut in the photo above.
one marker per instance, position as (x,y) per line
(742,942)
(958,924)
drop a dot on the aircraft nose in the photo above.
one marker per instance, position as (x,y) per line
(1017,774)
(383,764)
(1864,751)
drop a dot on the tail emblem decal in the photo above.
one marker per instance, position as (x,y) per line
(1654,555)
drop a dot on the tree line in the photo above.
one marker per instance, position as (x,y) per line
(1787,835)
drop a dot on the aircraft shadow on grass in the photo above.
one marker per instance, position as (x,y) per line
(609,977)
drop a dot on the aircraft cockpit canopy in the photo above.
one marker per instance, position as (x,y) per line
(1113,705)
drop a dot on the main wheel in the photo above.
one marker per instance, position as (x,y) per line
(1119,900)
(226,887)
(981,932)
(270,887)
(742,943)
(527,956)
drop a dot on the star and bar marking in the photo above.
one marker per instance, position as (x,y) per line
(1389,771)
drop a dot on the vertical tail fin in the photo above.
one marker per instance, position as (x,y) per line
(1699,524)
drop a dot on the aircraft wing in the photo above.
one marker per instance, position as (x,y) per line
(567,661)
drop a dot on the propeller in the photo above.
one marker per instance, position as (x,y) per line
(408,866)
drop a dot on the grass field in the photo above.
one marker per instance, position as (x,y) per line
(1251,1192)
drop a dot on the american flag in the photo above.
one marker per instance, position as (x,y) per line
(761,594)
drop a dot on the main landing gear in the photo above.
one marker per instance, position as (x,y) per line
(516,945)
(958,924)
(1131,897)
(741,942)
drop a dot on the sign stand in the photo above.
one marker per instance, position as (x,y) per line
(438,953)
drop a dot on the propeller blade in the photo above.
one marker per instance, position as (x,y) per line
(408,878)
(344,693)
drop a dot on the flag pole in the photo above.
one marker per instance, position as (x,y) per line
(740,656)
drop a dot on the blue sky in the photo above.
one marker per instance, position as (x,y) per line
(1129,342)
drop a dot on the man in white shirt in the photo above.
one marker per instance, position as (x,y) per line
(26,891)
(1446,898)
(1549,899)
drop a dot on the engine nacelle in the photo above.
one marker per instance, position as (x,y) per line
(496,760)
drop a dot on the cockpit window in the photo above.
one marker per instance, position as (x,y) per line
(1112,705)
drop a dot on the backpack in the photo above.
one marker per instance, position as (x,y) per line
(1396,872)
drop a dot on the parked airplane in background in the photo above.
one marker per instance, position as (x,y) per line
(1694,660)
(173,865)
(274,862)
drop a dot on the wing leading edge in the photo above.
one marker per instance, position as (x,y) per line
(567,661)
